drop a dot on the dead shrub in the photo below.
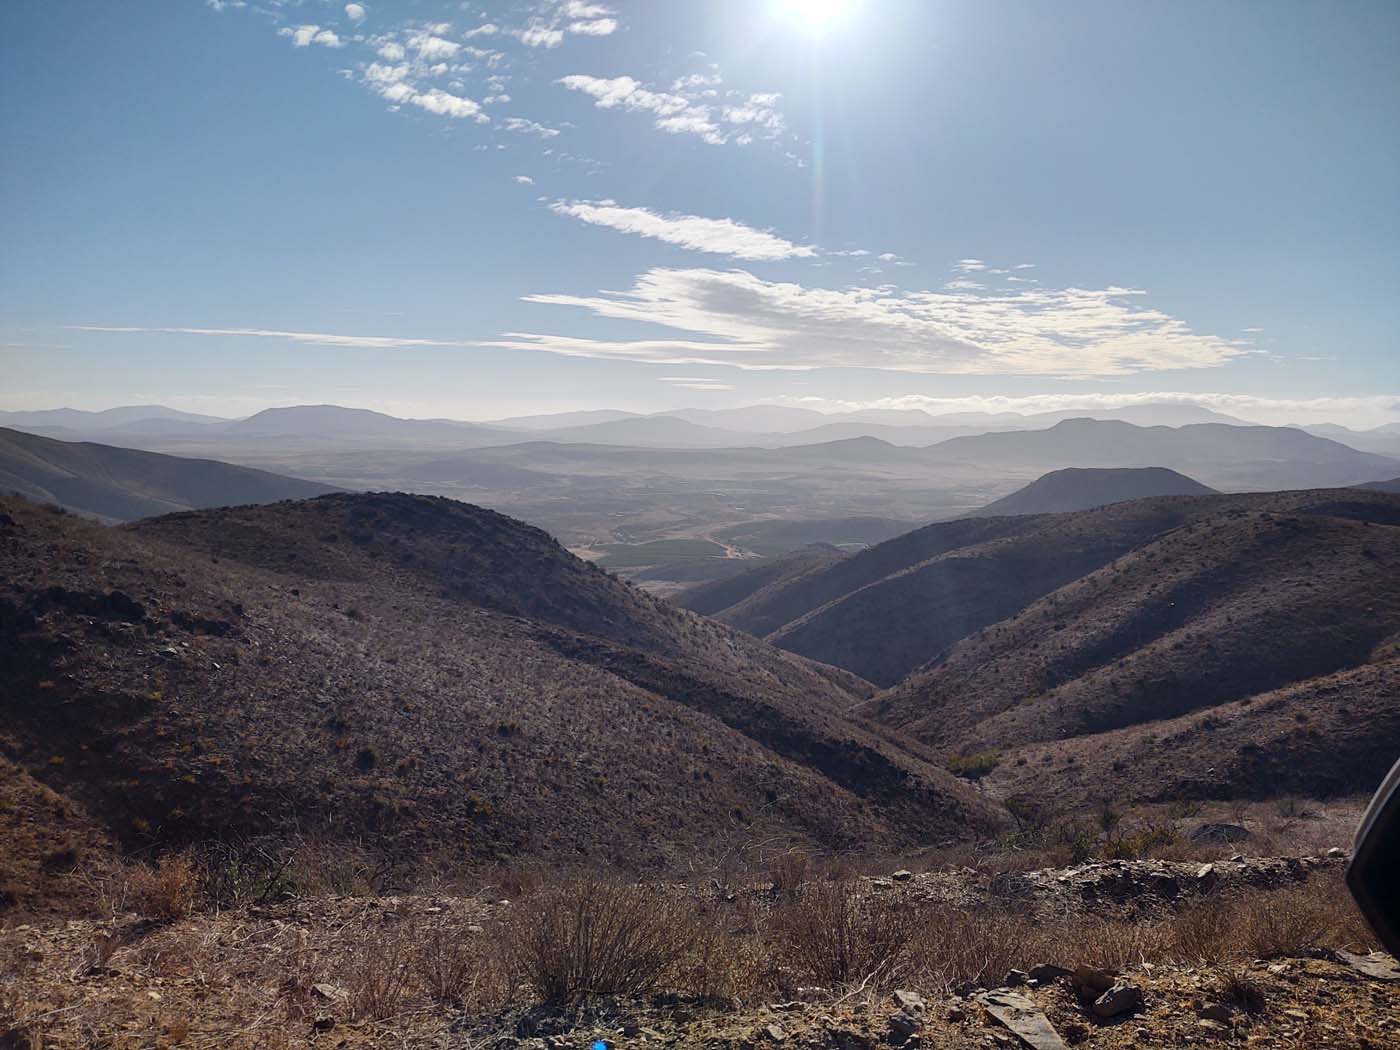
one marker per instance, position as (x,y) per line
(790,871)
(1236,988)
(1199,934)
(957,945)
(165,891)
(597,936)
(379,975)
(837,934)
(455,968)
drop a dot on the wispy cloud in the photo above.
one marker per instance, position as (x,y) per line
(735,318)
(718,236)
(524,180)
(521,126)
(689,109)
(695,383)
(357,342)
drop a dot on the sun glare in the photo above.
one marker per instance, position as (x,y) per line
(816,15)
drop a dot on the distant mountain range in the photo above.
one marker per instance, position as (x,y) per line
(120,484)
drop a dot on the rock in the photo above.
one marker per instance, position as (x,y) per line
(956,1015)
(1022,1017)
(1210,1027)
(1205,871)
(1378,965)
(323,1024)
(849,1039)
(1296,1015)
(1118,1000)
(332,992)
(1216,1012)
(1011,884)
(773,1033)
(1044,973)
(909,1002)
(1226,833)
(1090,983)
(1015,978)
(901,1028)
(881,884)
(1336,853)
(902,875)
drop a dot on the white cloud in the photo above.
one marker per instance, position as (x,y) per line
(524,180)
(695,383)
(444,104)
(969,266)
(529,127)
(583,9)
(538,34)
(718,236)
(594,27)
(355,12)
(391,51)
(485,29)
(305,36)
(355,342)
(735,318)
(432,48)
(684,111)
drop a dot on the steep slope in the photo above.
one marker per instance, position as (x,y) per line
(771,608)
(121,484)
(1083,488)
(1384,486)
(716,596)
(1262,594)
(920,606)
(437,681)
(1333,735)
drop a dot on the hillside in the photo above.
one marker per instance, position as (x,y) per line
(717,595)
(1083,488)
(119,484)
(1288,602)
(444,682)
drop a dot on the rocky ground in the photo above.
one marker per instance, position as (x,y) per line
(334,972)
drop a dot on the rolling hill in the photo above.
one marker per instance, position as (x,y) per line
(1083,488)
(118,484)
(429,677)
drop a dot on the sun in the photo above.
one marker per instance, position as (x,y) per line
(816,15)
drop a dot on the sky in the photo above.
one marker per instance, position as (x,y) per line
(478,210)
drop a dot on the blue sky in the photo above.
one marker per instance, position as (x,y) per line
(478,210)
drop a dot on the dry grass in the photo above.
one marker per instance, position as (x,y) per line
(834,934)
(166,890)
(597,936)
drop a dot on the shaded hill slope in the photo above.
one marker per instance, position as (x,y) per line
(436,680)
(890,609)
(718,595)
(1263,594)
(1334,735)
(1083,488)
(120,484)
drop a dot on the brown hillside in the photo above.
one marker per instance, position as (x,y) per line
(1239,603)
(426,678)
(893,624)
(1331,736)
(716,596)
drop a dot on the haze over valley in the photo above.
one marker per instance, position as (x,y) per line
(729,525)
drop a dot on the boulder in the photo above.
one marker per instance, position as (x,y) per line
(1120,999)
